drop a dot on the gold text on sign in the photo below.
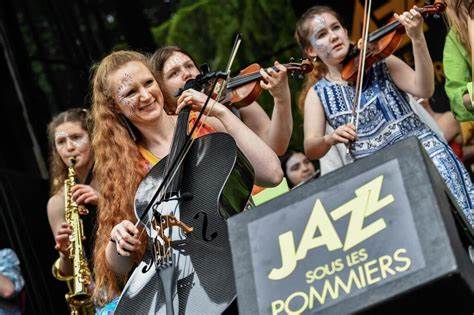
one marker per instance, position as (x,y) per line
(366,203)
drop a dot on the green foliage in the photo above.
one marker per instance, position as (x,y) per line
(206,28)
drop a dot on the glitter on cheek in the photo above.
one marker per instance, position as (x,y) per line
(315,43)
(319,24)
(128,105)
(128,102)
(125,82)
(321,49)
(81,143)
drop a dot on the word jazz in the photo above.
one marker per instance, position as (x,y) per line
(365,203)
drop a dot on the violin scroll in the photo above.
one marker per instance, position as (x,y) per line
(384,41)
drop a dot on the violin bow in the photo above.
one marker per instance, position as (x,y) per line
(361,67)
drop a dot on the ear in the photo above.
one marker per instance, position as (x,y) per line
(310,52)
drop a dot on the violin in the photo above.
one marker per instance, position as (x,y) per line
(243,89)
(187,268)
(383,42)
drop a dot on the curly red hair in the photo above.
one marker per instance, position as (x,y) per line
(119,168)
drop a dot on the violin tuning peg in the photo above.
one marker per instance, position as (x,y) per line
(205,68)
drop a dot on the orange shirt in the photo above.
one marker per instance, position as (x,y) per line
(200,131)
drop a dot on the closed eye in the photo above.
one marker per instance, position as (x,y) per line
(130,93)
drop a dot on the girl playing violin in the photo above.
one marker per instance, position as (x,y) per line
(385,115)
(132,132)
(174,66)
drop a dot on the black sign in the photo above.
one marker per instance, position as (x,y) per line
(335,244)
(375,236)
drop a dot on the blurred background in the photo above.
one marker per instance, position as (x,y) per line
(49,46)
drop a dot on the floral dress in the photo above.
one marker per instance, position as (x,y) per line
(386,117)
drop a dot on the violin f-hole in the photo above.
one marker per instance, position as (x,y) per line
(204,227)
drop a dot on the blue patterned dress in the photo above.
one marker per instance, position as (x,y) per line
(386,117)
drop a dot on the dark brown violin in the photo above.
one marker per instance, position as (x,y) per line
(245,88)
(383,42)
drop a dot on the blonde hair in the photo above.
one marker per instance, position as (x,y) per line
(119,168)
(302,35)
(458,12)
(57,168)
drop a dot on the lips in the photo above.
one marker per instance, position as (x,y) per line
(146,106)
(336,46)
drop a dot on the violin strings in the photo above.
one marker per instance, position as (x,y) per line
(245,78)
(384,30)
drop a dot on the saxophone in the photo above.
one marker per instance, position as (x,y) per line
(79,295)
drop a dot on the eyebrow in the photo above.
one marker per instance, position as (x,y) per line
(336,23)
(172,69)
(294,165)
(177,66)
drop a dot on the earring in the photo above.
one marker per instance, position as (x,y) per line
(127,125)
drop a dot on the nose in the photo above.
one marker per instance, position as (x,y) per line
(70,145)
(187,75)
(144,94)
(332,36)
(305,168)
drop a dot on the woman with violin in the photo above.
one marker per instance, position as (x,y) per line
(132,132)
(174,66)
(384,115)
